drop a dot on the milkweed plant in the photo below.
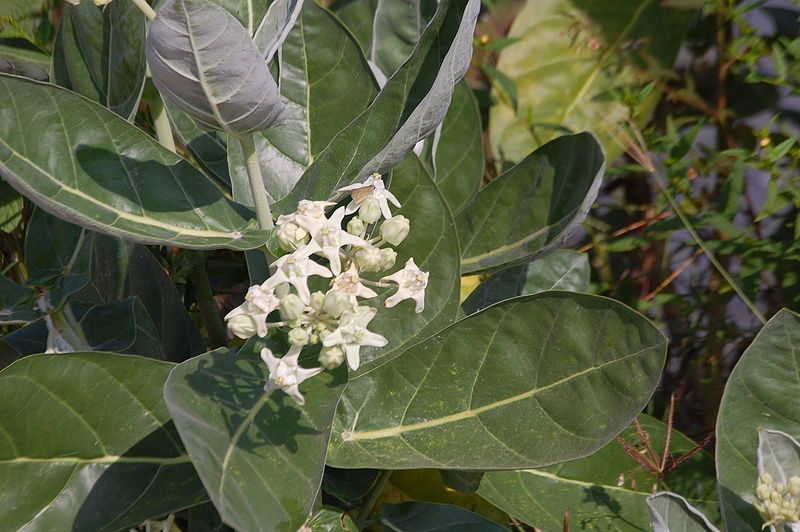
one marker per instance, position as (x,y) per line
(342,163)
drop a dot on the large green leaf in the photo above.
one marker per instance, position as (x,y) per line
(433,244)
(604,491)
(121,270)
(670,512)
(358,17)
(260,455)
(209,148)
(11,205)
(458,150)
(57,254)
(330,519)
(532,209)
(396,28)
(109,175)
(762,391)
(562,270)
(120,327)
(87,444)
(318,59)
(429,517)
(25,19)
(513,384)
(409,108)
(99,53)
(568,57)
(17,304)
(24,62)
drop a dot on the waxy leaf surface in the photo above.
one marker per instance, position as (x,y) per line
(670,512)
(417,516)
(515,384)
(112,177)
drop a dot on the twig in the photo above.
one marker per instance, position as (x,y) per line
(374,493)
(674,275)
(145,8)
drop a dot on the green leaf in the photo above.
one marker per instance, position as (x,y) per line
(458,150)
(358,17)
(409,108)
(762,391)
(570,56)
(204,518)
(475,383)
(316,106)
(396,28)
(87,444)
(11,206)
(778,455)
(122,270)
(329,519)
(17,304)
(24,62)
(205,61)
(260,455)
(417,516)
(25,19)
(57,254)
(562,270)
(531,210)
(434,245)
(670,512)
(604,491)
(209,148)
(99,53)
(121,327)
(112,177)
(276,25)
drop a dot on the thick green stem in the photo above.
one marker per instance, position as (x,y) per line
(161,123)
(263,213)
(145,8)
(374,493)
(209,313)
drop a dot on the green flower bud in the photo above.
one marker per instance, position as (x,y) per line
(396,230)
(299,336)
(291,236)
(369,259)
(331,357)
(370,211)
(317,301)
(243,326)
(291,307)
(336,302)
(356,226)
(388,258)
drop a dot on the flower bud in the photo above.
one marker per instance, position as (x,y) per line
(395,230)
(766,478)
(794,485)
(299,336)
(369,259)
(336,303)
(388,258)
(763,492)
(243,326)
(356,226)
(317,301)
(773,509)
(370,211)
(291,307)
(291,236)
(331,357)
(281,290)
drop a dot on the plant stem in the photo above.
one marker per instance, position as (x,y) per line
(374,493)
(145,8)
(263,213)
(161,123)
(205,301)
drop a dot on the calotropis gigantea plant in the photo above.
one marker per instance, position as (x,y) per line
(349,175)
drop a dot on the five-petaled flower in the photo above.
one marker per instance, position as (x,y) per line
(350,283)
(286,374)
(352,334)
(373,187)
(250,317)
(411,283)
(295,269)
(327,240)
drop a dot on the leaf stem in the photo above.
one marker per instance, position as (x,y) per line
(374,493)
(209,313)
(145,8)
(161,124)
(263,213)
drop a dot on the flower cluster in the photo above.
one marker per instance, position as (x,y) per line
(336,319)
(778,502)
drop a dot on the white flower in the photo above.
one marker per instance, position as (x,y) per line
(292,307)
(336,303)
(369,258)
(310,215)
(291,236)
(352,334)
(411,283)
(295,269)
(330,237)
(350,283)
(370,210)
(299,336)
(250,317)
(286,374)
(396,230)
(331,357)
(373,187)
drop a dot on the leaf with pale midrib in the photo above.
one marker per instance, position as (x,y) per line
(514,383)
(670,512)
(260,456)
(87,444)
(117,179)
(762,391)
